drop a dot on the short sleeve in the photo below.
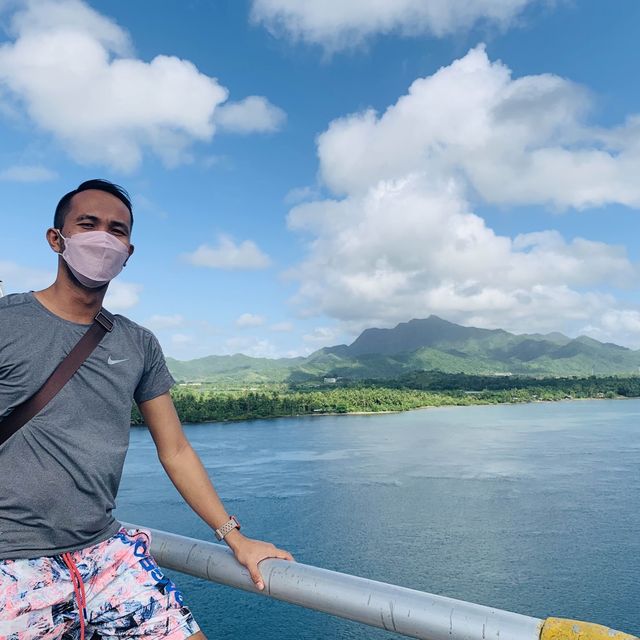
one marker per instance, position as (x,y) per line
(156,378)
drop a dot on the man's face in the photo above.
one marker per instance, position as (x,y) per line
(95,210)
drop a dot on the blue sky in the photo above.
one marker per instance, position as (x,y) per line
(303,170)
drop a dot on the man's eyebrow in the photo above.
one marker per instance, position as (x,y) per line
(87,216)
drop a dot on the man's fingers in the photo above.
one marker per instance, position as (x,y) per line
(256,577)
(260,551)
(280,554)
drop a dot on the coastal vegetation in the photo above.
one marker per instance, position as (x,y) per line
(412,391)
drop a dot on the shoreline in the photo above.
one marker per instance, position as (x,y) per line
(392,411)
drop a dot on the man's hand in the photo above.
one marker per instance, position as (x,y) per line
(250,552)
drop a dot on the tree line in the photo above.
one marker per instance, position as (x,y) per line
(415,390)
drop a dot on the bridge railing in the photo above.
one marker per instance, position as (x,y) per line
(408,612)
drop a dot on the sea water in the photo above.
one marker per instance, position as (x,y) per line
(531,508)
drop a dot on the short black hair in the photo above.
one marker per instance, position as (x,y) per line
(98,184)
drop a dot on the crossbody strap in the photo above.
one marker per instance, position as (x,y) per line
(102,324)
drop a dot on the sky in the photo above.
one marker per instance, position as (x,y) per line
(301,170)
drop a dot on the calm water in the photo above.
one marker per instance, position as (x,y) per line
(531,508)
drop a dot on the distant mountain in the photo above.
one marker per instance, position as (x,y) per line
(235,369)
(427,344)
(414,335)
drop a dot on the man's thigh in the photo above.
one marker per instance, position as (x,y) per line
(36,600)
(129,595)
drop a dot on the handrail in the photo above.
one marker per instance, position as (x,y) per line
(405,611)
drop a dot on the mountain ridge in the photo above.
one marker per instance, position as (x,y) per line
(422,344)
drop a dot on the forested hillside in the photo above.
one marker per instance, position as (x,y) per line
(432,344)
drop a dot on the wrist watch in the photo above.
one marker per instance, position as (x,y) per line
(227,527)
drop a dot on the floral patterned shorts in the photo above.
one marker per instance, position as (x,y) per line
(116,586)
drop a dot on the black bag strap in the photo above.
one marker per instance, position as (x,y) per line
(102,324)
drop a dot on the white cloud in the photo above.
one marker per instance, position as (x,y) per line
(72,71)
(401,239)
(254,347)
(512,141)
(409,248)
(180,339)
(621,326)
(145,204)
(301,194)
(122,295)
(253,114)
(160,322)
(336,24)
(27,173)
(322,337)
(229,255)
(282,327)
(40,15)
(627,320)
(249,320)
(16,277)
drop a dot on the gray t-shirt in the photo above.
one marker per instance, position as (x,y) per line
(59,474)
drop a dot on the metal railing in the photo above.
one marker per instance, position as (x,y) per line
(405,611)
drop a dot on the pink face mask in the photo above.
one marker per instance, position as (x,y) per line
(94,257)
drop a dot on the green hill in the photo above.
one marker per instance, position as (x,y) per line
(237,369)
(431,344)
(415,334)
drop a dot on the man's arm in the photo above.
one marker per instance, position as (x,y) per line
(189,476)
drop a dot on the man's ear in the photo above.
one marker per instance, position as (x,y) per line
(55,241)
(131,250)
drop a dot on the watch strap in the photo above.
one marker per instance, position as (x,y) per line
(227,528)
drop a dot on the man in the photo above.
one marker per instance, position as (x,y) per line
(66,566)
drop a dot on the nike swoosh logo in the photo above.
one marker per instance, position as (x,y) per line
(110,360)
